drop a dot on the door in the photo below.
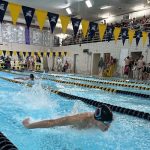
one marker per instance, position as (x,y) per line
(96,58)
(76,57)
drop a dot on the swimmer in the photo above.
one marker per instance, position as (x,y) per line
(31,77)
(101,119)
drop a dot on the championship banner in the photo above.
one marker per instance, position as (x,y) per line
(102,29)
(28,14)
(27,36)
(138,35)
(116,33)
(11,53)
(64,22)
(92,29)
(145,35)
(85,26)
(75,24)
(14,12)
(41,17)
(48,54)
(124,34)
(109,33)
(131,35)
(53,18)
(3,8)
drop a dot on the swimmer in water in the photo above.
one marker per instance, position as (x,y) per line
(101,119)
(31,77)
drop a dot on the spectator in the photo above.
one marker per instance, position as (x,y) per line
(140,66)
(66,65)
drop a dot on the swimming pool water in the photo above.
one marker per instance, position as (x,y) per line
(18,102)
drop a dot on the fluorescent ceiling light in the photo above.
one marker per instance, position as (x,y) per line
(138,7)
(105,7)
(68,10)
(88,3)
(106,15)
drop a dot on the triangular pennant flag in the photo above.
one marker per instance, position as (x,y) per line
(3,8)
(48,54)
(4,53)
(131,35)
(21,53)
(29,53)
(45,54)
(110,30)
(53,18)
(15,53)
(65,53)
(124,34)
(116,33)
(42,54)
(92,29)
(18,54)
(14,12)
(24,54)
(56,54)
(51,54)
(32,53)
(1,52)
(75,23)
(62,54)
(149,38)
(8,53)
(85,26)
(39,54)
(145,35)
(11,53)
(64,22)
(138,35)
(102,29)
(41,17)
(28,14)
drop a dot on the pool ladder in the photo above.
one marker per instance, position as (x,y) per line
(5,144)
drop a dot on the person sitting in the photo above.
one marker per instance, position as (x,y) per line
(66,65)
(31,77)
(101,119)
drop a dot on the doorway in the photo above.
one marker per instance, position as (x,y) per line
(106,57)
(96,58)
(136,55)
(76,57)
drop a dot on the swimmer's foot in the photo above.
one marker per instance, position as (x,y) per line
(26,122)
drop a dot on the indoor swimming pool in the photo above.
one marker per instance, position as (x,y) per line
(18,102)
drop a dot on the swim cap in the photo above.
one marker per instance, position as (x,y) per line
(104,114)
(32,76)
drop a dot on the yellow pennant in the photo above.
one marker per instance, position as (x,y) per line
(14,12)
(64,22)
(102,29)
(62,54)
(41,17)
(32,54)
(45,54)
(56,54)
(21,53)
(39,54)
(26,54)
(131,35)
(51,54)
(85,26)
(8,53)
(116,33)
(1,53)
(145,35)
(15,53)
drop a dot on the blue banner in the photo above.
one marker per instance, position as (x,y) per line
(3,7)
(110,30)
(124,34)
(138,35)
(92,29)
(53,18)
(27,36)
(28,14)
(75,23)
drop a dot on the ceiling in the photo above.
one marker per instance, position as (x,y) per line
(80,9)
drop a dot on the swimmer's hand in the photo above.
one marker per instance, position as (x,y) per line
(26,122)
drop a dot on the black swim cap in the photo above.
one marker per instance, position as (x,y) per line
(104,114)
(31,76)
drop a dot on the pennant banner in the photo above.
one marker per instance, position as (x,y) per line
(11,53)
(51,54)
(138,35)
(56,54)
(92,29)
(28,14)
(27,36)
(1,52)
(4,53)
(3,8)
(14,12)
(24,54)
(149,38)
(8,53)
(53,18)
(124,34)
(109,33)
(39,54)
(145,35)
(102,29)
(131,35)
(48,54)
(42,54)
(85,26)
(45,54)
(15,53)
(116,33)
(64,22)
(21,53)
(41,17)
(75,23)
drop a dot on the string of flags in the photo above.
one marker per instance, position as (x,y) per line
(25,54)
(87,27)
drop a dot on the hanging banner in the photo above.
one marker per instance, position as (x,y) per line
(28,14)
(42,54)
(41,17)
(14,12)
(85,26)
(3,8)
(138,35)
(1,53)
(92,29)
(32,54)
(64,22)
(24,54)
(8,53)
(62,54)
(18,54)
(110,30)
(48,54)
(53,18)
(56,54)
(75,23)
(4,53)
(45,54)
(11,53)
(116,33)
(124,34)
(39,54)
(51,54)
(29,53)
(21,53)
(102,29)
(27,36)
(131,35)
(15,53)
(145,35)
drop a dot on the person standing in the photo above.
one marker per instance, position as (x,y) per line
(126,68)
(101,66)
(140,66)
